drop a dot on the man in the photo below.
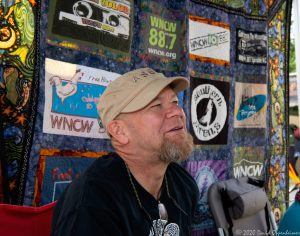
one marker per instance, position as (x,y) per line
(289,223)
(297,150)
(139,190)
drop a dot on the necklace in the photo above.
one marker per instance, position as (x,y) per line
(161,207)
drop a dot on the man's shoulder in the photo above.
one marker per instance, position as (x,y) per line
(96,190)
(105,166)
(105,169)
(104,174)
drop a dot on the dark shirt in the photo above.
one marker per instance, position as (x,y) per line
(102,202)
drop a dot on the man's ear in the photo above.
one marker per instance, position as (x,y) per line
(116,128)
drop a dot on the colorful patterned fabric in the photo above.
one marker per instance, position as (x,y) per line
(278,35)
(252,9)
(234,53)
(18,88)
(249,116)
(1,184)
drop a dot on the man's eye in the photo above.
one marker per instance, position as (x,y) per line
(176,102)
(156,105)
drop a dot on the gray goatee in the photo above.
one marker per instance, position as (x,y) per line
(171,151)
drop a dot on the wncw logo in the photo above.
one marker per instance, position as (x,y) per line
(247,168)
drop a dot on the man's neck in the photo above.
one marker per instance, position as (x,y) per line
(149,175)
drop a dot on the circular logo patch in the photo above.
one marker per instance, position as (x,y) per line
(208,111)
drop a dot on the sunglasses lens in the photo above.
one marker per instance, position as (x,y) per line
(162,211)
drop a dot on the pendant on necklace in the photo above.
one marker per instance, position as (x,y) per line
(163,214)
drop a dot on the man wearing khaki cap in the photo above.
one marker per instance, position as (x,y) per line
(138,190)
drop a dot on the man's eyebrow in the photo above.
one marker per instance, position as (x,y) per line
(161,96)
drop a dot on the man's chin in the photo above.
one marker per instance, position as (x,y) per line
(176,149)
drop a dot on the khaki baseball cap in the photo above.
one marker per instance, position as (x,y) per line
(133,91)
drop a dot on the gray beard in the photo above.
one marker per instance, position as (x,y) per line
(171,151)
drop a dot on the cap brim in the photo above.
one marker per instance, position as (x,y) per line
(153,89)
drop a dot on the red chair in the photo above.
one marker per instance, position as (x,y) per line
(26,220)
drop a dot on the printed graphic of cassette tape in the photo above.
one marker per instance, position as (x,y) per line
(108,16)
(254,47)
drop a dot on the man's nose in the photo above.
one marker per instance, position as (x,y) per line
(175,110)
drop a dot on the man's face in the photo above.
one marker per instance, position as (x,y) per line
(160,128)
